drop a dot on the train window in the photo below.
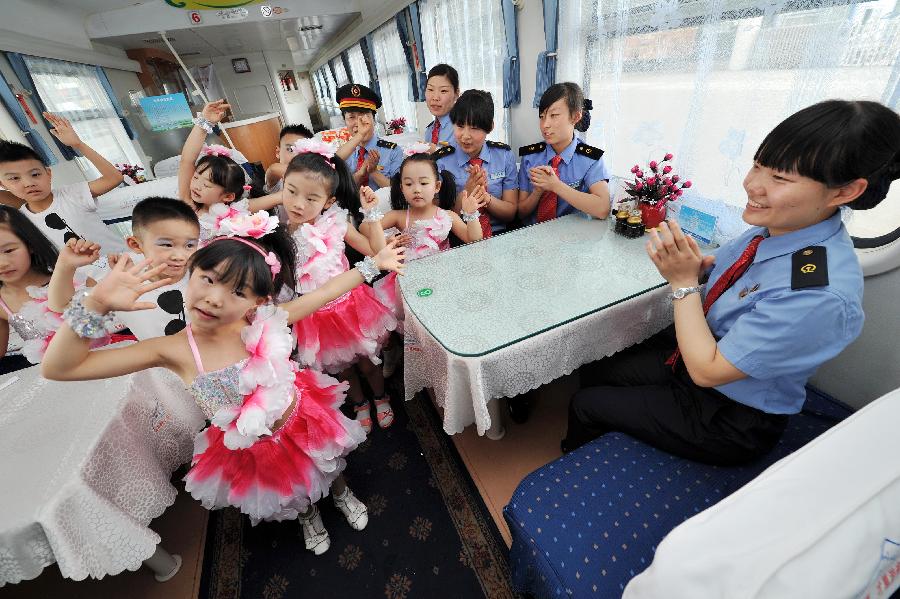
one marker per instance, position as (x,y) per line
(360,74)
(480,65)
(706,80)
(393,73)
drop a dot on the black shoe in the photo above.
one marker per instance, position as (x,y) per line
(519,408)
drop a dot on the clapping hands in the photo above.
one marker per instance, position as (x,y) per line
(477,199)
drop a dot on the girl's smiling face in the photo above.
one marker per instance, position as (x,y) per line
(419,184)
(213,302)
(15,258)
(205,192)
(305,196)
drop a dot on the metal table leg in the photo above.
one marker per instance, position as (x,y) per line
(163,564)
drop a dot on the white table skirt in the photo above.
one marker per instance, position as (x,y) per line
(463,386)
(85,467)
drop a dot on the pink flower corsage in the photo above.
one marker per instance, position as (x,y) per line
(217,150)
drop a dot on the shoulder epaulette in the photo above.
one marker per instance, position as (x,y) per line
(498,144)
(383,143)
(589,151)
(442,152)
(533,148)
(809,267)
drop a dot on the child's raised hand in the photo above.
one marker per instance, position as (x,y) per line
(126,282)
(471,202)
(391,257)
(62,130)
(367,198)
(215,111)
(79,252)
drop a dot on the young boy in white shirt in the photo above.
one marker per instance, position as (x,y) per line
(66,212)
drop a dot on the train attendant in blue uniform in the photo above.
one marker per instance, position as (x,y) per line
(477,162)
(782,298)
(562,174)
(372,160)
(441,93)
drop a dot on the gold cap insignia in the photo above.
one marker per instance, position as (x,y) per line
(355,91)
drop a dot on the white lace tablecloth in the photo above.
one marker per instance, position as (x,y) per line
(85,467)
(509,314)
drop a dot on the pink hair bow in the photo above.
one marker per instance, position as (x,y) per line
(274,263)
(419,147)
(315,146)
(217,150)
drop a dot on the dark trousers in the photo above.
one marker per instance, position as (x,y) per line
(636,393)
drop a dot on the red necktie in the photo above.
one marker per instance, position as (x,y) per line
(436,131)
(547,204)
(723,283)
(484,218)
(359,163)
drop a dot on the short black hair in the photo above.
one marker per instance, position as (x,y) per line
(474,108)
(575,102)
(154,209)
(245,266)
(43,252)
(835,142)
(13,151)
(445,70)
(300,130)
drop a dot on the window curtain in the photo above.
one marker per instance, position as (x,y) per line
(74,91)
(392,72)
(546,61)
(17,61)
(709,79)
(111,94)
(512,92)
(416,88)
(477,56)
(365,45)
(31,135)
(341,77)
(345,62)
(359,72)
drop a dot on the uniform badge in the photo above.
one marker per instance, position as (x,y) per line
(355,91)
(745,292)
(809,268)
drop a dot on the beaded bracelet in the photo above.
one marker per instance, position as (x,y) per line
(86,323)
(367,269)
(372,215)
(469,217)
(204,124)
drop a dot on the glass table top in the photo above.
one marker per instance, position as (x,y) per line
(484,296)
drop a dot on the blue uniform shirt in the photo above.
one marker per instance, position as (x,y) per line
(499,164)
(576,170)
(779,336)
(388,162)
(445,134)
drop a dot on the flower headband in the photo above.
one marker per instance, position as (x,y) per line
(416,148)
(217,150)
(270,257)
(315,146)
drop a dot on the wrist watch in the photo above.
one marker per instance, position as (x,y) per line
(682,292)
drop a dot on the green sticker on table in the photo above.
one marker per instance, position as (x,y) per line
(424,292)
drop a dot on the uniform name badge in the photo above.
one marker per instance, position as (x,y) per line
(576,184)
(495,176)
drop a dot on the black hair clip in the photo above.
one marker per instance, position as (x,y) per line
(56,222)
(172,302)
(587,104)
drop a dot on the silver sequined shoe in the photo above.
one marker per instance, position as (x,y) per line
(353,509)
(314,534)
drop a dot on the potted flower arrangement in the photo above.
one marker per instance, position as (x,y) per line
(133,173)
(654,189)
(397,125)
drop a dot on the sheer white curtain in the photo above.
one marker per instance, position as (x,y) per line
(707,79)
(342,77)
(393,73)
(73,91)
(469,36)
(360,74)
(331,105)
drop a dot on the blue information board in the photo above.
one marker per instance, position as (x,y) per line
(167,112)
(700,225)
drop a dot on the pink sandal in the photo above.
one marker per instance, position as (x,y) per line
(383,411)
(364,417)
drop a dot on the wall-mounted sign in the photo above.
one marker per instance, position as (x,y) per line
(232,14)
(167,112)
(210,4)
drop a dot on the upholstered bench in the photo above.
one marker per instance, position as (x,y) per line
(584,525)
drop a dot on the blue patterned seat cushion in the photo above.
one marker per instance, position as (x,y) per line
(586,524)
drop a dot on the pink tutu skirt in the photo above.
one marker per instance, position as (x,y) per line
(337,335)
(388,293)
(279,476)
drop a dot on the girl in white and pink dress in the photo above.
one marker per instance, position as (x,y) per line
(277,439)
(348,333)
(422,199)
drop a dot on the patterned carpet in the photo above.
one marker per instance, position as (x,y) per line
(429,533)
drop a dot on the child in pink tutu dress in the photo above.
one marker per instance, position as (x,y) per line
(352,329)
(422,199)
(277,440)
